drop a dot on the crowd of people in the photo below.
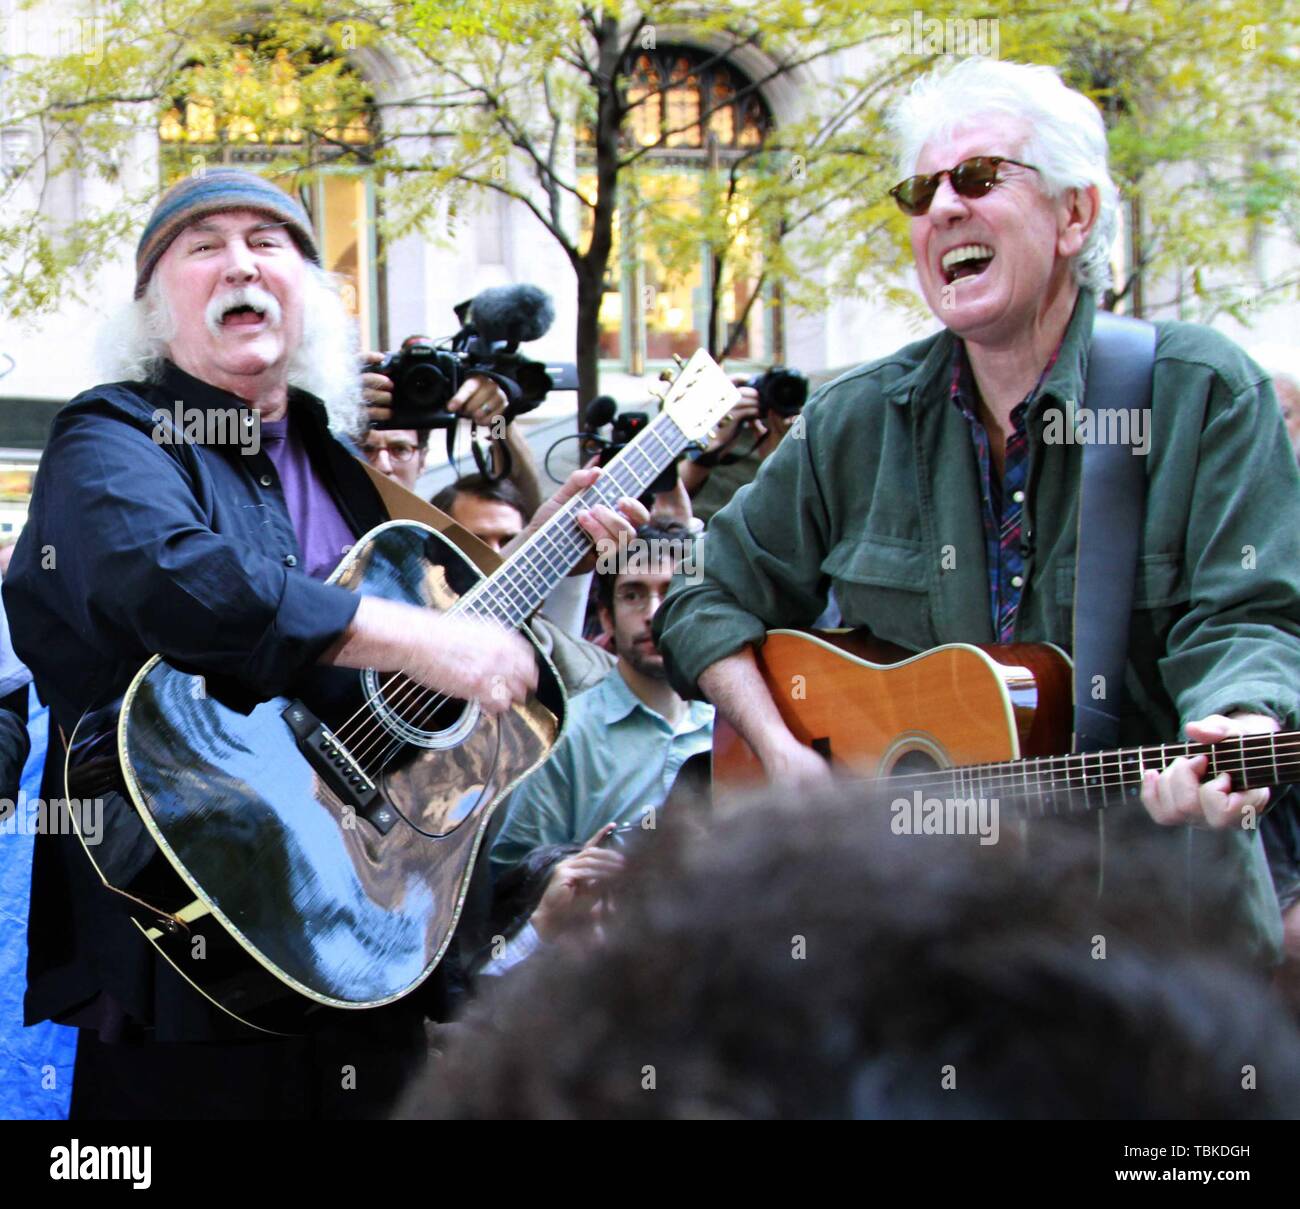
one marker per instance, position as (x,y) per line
(635,951)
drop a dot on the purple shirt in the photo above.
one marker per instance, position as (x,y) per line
(323,535)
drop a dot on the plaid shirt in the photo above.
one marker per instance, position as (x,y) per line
(1003,500)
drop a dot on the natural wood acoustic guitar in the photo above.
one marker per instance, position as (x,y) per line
(964,722)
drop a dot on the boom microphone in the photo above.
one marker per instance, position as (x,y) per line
(600,411)
(513,313)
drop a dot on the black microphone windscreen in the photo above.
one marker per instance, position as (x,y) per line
(516,313)
(600,411)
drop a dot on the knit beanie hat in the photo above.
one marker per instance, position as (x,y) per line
(211,192)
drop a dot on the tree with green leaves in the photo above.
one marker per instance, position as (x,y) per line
(547,107)
(1200,102)
(543,104)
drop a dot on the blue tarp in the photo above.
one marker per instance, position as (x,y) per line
(35,1063)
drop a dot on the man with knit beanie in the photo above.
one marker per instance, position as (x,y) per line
(193,510)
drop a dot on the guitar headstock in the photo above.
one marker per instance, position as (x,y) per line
(699,396)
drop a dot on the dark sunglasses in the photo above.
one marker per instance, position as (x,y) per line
(971,178)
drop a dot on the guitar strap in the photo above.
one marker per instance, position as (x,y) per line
(1112,500)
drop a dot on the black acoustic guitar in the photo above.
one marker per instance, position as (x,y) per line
(314,853)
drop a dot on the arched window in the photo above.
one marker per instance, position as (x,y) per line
(281,112)
(697,116)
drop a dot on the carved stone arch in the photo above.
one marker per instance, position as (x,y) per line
(392,75)
(780,94)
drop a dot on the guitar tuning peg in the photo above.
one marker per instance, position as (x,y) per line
(681,361)
(666,375)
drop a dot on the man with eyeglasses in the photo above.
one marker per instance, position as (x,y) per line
(399,453)
(629,736)
(927,491)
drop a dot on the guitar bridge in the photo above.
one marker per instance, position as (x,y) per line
(334,764)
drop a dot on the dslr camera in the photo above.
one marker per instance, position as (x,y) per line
(425,374)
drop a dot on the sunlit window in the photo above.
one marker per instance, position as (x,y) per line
(694,114)
(669,91)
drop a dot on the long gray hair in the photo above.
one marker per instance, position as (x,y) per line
(133,343)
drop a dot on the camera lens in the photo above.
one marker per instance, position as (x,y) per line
(424,387)
(789,392)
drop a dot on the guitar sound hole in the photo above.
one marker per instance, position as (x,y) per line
(914,762)
(424,710)
(417,715)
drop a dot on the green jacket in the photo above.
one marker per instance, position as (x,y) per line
(879,498)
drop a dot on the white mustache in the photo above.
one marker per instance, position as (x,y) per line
(245,295)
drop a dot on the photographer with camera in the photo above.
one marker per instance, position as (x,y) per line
(403,453)
(477,375)
(745,437)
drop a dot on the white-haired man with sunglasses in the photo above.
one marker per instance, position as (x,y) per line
(929,491)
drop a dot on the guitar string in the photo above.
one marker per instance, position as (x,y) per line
(1040,803)
(1258,756)
(548,531)
(568,511)
(412,703)
(577,540)
(1016,774)
(410,697)
(1061,780)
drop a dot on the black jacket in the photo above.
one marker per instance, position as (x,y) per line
(136,546)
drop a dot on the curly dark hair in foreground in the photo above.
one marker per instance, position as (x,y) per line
(803,961)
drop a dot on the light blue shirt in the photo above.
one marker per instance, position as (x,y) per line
(617,758)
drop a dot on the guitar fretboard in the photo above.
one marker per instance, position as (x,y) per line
(528,576)
(1094,780)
